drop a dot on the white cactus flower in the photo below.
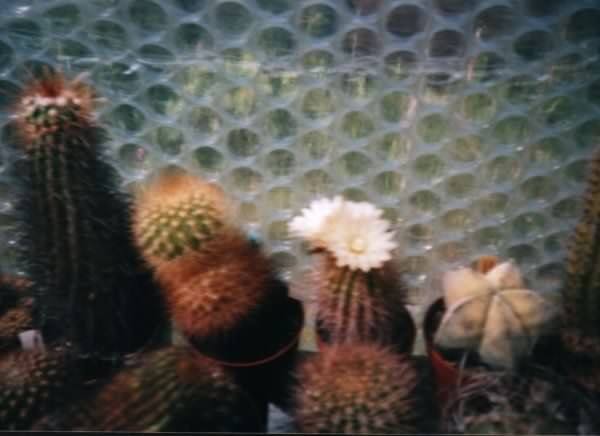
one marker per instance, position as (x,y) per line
(352,232)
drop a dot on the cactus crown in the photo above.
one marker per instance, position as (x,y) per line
(357,389)
(581,291)
(177,213)
(53,104)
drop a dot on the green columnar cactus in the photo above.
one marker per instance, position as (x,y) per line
(581,291)
(33,384)
(171,389)
(92,288)
(362,389)
(362,306)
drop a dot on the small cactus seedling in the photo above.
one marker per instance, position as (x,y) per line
(493,314)
(361,296)
(33,384)
(362,389)
(177,213)
(92,287)
(171,389)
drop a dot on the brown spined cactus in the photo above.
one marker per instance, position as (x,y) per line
(362,389)
(91,287)
(172,389)
(33,384)
(357,306)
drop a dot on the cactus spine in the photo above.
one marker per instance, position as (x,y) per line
(362,306)
(362,389)
(91,285)
(171,389)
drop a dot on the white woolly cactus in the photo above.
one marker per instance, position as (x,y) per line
(493,314)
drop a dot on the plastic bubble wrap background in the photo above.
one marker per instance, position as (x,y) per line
(468,121)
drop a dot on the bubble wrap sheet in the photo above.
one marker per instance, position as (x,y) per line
(468,121)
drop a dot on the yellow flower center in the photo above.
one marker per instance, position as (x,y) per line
(358,245)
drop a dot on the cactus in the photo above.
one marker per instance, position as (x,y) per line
(92,288)
(33,384)
(356,306)
(581,291)
(213,277)
(530,402)
(493,314)
(15,310)
(362,389)
(171,389)
(177,214)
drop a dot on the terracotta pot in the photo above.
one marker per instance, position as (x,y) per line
(447,373)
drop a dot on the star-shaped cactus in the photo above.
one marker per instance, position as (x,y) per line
(494,314)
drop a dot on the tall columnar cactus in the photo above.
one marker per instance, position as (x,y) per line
(581,291)
(362,389)
(33,384)
(92,288)
(361,296)
(171,389)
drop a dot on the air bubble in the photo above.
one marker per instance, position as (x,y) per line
(233,18)
(280,163)
(243,142)
(147,15)
(318,20)
(406,21)
(357,125)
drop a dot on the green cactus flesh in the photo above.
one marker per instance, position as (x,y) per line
(169,232)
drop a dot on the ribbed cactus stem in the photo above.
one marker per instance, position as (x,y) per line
(92,288)
(581,292)
(359,306)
